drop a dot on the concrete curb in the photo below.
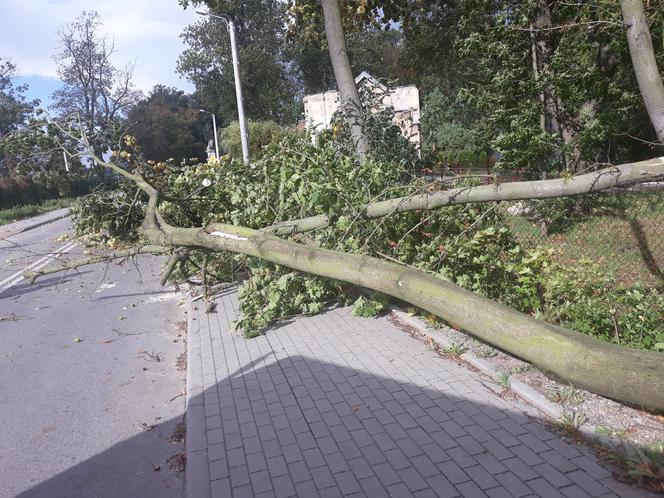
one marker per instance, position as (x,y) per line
(16,228)
(525,392)
(45,222)
(197,474)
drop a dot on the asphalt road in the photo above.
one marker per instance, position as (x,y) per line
(89,390)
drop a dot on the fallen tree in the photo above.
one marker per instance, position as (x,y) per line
(632,376)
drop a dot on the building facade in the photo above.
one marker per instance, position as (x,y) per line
(319,108)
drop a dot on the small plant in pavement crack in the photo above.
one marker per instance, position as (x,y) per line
(526,367)
(566,395)
(571,421)
(454,350)
(486,352)
(504,380)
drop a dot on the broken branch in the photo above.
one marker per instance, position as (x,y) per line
(31,276)
(623,175)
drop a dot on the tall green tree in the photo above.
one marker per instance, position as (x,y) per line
(552,83)
(343,74)
(168,125)
(549,85)
(14,112)
(269,87)
(14,107)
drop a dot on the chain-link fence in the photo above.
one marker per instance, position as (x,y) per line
(622,228)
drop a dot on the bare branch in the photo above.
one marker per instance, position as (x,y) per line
(31,276)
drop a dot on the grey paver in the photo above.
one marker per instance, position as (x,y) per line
(513,484)
(334,405)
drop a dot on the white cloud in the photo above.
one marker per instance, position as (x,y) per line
(145,31)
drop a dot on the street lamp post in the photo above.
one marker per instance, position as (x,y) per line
(214,127)
(244,139)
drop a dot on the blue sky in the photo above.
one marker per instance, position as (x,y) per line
(146,32)
(39,87)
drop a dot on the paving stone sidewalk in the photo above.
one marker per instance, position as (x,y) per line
(334,405)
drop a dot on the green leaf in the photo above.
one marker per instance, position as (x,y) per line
(282,283)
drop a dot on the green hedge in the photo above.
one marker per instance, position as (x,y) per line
(24,191)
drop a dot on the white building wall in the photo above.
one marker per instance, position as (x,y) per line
(320,107)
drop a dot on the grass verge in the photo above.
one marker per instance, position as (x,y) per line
(21,212)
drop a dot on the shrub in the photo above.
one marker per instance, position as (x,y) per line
(387,142)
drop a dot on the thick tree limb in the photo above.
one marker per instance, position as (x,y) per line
(618,176)
(31,276)
(170,266)
(628,375)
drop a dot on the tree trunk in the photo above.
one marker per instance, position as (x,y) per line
(631,376)
(344,75)
(535,65)
(645,65)
(544,49)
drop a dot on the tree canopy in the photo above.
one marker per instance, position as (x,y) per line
(269,88)
(94,90)
(168,125)
(14,107)
(14,110)
(548,85)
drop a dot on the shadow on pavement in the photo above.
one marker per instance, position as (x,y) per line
(25,287)
(296,426)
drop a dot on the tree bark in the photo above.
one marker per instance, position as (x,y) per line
(535,65)
(619,176)
(344,75)
(645,65)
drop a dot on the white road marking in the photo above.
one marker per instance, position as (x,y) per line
(11,277)
(37,265)
(30,266)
